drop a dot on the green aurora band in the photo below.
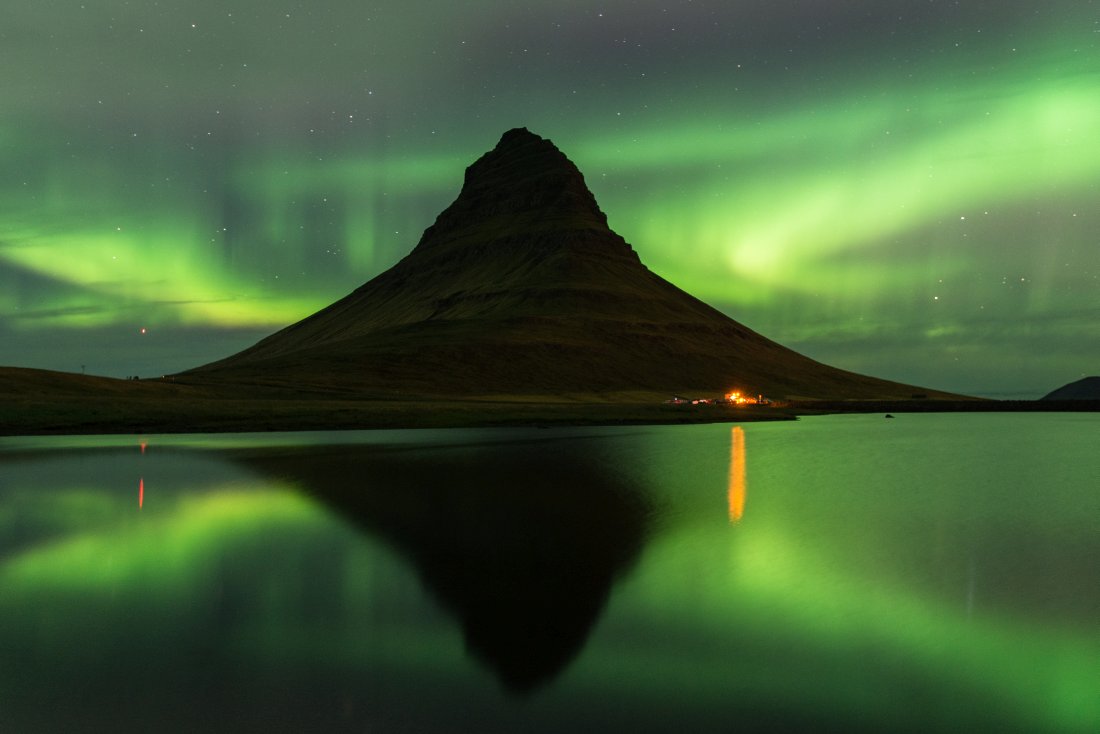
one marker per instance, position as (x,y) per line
(920,222)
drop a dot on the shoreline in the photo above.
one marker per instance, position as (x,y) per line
(272,416)
(44,403)
(827,407)
(47,416)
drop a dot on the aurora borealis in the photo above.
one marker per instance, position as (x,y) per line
(905,189)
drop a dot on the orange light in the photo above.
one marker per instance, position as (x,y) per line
(737,475)
(736,398)
(141,493)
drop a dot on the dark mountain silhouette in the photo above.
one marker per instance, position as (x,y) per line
(521,287)
(521,541)
(1087,388)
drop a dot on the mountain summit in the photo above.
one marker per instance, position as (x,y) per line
(520,287)
(524,185)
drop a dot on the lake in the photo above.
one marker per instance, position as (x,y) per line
(839,573)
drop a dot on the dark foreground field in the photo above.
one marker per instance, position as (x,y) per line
(36,402)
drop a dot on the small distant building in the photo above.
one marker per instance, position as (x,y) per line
(738,398)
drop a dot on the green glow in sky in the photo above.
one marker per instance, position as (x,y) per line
(903,191)
(855,188)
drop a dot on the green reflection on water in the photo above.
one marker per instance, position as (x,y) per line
(858,581)
(878,574)
(151,560)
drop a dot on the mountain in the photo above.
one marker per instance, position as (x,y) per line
(520,287)
(1087,388)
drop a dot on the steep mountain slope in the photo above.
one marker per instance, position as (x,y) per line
(521,287)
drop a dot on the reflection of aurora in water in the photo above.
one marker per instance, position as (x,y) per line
(906,197)
(880,565)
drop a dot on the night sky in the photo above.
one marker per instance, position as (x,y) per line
(906,189)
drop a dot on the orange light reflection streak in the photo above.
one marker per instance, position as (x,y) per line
(737,475)
(141,481)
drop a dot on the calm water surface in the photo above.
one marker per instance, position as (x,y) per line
(927,573)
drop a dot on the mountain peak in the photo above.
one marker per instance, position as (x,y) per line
(519,135)
(524,184)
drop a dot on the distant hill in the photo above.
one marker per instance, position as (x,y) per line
(520,287)
(1087,388)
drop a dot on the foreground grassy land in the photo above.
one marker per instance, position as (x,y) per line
(41,402)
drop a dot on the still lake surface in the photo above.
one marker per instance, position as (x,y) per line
(927,573)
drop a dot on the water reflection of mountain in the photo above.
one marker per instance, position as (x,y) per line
(521,541)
